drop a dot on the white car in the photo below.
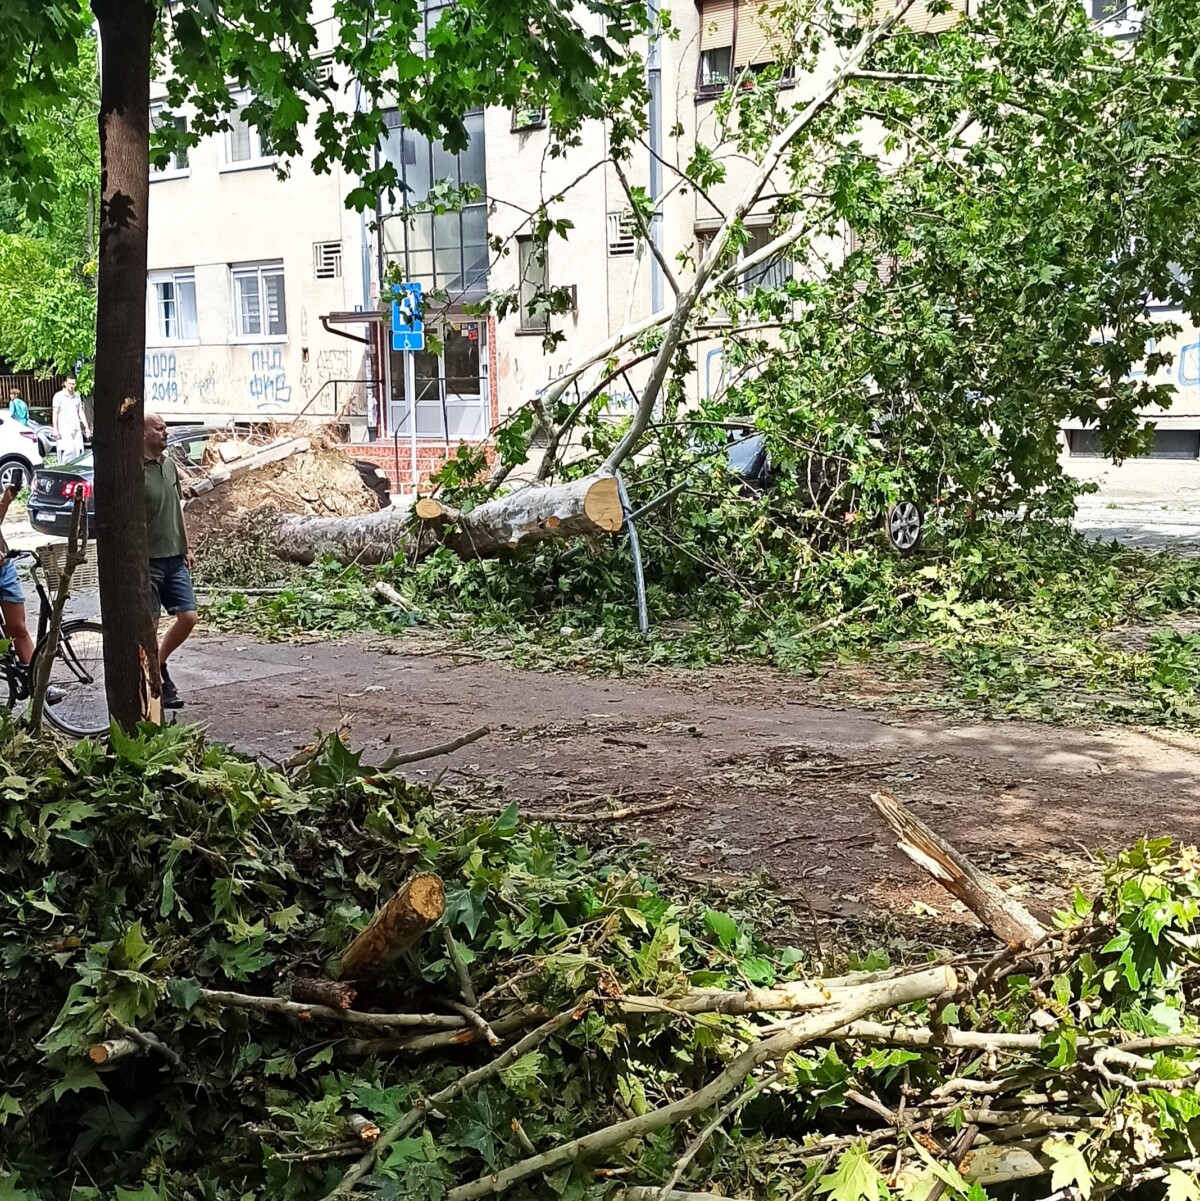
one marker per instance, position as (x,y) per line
(19,453)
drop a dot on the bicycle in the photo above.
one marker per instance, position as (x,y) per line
(76,702)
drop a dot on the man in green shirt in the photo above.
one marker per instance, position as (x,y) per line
(167,548)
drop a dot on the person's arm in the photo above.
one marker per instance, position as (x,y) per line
(83,421)
(55,414)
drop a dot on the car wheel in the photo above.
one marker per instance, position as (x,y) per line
(15,473)
(904,524)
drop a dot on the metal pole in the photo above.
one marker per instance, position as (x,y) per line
(654,87)
(410,388)
(635,547)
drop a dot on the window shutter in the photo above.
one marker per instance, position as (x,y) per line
(921,20)
(757,31)
(716,23)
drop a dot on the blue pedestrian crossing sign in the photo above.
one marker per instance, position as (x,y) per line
(408,330)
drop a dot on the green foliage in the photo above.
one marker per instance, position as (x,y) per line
(47,261)
(134,877)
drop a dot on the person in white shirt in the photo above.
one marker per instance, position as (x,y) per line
(70,422)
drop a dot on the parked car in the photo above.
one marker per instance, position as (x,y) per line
(749,459)
(19,453)
(52,494)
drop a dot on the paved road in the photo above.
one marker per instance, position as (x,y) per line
(1148,525)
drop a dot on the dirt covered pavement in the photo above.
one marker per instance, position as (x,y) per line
(760,779)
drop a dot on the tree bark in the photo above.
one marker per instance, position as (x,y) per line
(130,648)
(400,923)
(1005,917)
(590,507)
(315,990)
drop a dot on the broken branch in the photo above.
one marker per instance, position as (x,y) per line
(400,759)
(1007,918)
(417,904)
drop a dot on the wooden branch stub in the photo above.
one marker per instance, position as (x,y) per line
(428,509)
(397,926)
(1006,917)
(363,1129)
(314,990)
(109,1051)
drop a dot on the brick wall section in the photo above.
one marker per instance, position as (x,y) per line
(430,456)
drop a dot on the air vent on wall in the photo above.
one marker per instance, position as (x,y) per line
(622,235)
(327,259)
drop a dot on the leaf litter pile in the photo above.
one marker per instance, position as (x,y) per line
(225,982)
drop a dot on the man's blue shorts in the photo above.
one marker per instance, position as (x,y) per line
(10,586)
(172,583)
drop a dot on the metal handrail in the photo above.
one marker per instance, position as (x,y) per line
(336,411)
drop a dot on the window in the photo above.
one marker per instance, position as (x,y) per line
(446,251)
(171,307)
(622,235)
(1165,444)
(774,272)
(177,161)
(323,71)
(737,37)
(1115,17)
(245,145)
(259,310)
(327,260)
(531,259)
(533,117)
(920,20)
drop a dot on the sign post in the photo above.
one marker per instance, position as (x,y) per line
(408,336)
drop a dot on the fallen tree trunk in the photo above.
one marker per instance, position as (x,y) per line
(586,508)
(396,927)
(1004,916)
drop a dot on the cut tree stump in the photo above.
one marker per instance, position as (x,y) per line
(397,926)
(586,508)
(1004,916)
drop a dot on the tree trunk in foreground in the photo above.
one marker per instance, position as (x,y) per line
(589,507)
(130,649)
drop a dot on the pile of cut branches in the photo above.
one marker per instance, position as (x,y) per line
(223,981)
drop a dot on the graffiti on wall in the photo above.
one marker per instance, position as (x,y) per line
(161,377)
(268,381)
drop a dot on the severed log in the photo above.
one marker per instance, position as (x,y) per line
(589,507)
(1004,916)
(363,1128)
(418,903)
(315,990)
(113,1049)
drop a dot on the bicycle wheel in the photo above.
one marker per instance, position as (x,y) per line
(76,701)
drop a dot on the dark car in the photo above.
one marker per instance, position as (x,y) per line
(52,493)
(749,460)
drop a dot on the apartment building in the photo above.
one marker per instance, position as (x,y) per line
(245,270)
(263,298)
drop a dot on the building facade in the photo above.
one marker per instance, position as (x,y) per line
(264,292)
